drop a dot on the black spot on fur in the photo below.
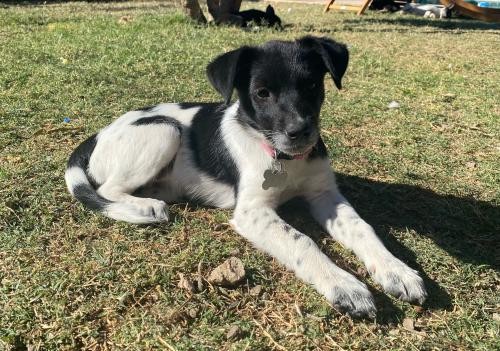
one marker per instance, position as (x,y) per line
(146,109)
(158,120)
(188,105)
(287,228)
(319,150)
(297,236)
(299,261)
(81,156)
(209,150)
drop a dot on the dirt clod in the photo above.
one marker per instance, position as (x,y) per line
(234,333)
(186,284)
(228,274)
(409,324)
(256,290)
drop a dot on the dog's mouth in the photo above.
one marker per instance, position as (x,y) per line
(296,149)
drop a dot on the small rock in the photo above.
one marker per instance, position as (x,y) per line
(228,274)
(418,309)
(124,19)
(449,97)
(496,317)
(471,165)
(393,105)
(186,284)
(394,332)
(235,252)
(256,290)
(409,324)
(193,312)
(234,333)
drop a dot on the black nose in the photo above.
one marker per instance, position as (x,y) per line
(297,131)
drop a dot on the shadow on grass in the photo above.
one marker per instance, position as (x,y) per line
(52,2)
(401,24)
(466,228)
(411,21)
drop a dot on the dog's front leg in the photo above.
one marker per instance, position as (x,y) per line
(342,222)
(267,231)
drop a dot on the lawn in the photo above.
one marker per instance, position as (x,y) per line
(426,175)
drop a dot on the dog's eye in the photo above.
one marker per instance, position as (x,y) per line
(263,93)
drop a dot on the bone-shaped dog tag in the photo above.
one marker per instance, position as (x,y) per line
(274,177)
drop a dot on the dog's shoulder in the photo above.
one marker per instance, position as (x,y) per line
(209,151)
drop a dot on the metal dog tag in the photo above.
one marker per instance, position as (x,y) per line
(274,177)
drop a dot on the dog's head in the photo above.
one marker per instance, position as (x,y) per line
(280,86)
(271,18)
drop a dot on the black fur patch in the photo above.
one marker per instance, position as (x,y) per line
(188,105)
(88,196)
(81,156)
(210,153)
(159,119)
(319,151)
(146,109)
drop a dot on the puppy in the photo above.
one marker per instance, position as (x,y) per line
(251,155)
(260,18)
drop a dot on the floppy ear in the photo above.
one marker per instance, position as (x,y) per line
(269,10)
(223,71)
(335,56)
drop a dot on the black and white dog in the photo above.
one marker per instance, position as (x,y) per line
(252,155)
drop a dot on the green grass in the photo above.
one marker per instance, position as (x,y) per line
(425,175)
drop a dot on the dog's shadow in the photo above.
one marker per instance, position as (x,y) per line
(466,228)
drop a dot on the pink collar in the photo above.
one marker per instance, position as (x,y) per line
(276,154)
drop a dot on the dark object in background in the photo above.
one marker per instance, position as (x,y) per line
(384,5)
(260,18)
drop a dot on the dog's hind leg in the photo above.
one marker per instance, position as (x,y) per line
(131,157)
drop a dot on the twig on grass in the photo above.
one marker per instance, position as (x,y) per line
(165,343)
(264,331)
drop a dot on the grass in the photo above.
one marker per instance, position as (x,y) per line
(425,175)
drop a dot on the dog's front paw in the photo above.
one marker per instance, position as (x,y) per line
(352,297)
(401,281)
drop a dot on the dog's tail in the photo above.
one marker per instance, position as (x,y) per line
(80,186)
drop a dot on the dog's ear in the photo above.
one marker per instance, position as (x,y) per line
(335,56)
(224,71)
(269,10)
